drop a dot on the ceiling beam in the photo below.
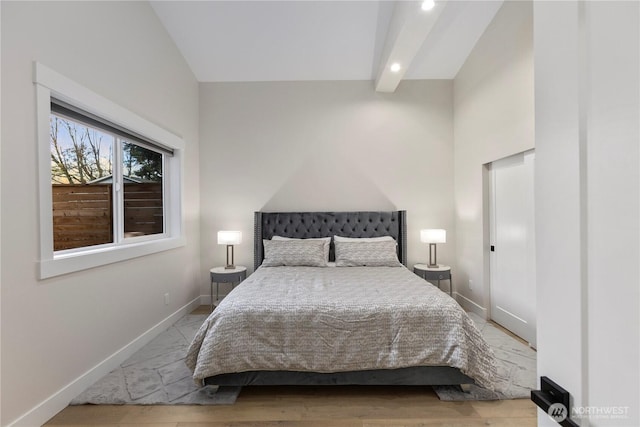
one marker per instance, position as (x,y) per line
(409,28)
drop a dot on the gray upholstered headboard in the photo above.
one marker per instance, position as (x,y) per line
(327,224)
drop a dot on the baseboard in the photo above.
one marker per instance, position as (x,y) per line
(470,305)
(59,400)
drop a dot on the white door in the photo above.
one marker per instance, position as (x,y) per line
(513,258)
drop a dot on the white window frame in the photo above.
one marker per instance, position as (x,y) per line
(50,84)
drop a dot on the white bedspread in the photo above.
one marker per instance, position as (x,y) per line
(338,319)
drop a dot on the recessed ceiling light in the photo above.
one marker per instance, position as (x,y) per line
(428,4)
(395,67)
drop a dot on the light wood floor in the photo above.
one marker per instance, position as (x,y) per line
(329,406)
(313,407)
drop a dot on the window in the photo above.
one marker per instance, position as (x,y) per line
(142,190)
(106,185)
(82,193)
(112,188)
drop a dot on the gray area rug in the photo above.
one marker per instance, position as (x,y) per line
(516,363)
(157,375)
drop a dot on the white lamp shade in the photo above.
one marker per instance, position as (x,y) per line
(433,235)
(229,237)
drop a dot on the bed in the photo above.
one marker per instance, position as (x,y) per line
(372,324)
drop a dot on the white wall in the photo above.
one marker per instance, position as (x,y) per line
(0,224)
(493,119)
(325,146)
(587,64)
(613,208)
(53,331)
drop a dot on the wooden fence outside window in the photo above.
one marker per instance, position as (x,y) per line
(83,213)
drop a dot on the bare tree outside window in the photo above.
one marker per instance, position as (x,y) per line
(79,153)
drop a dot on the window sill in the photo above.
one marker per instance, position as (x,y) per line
(70,263)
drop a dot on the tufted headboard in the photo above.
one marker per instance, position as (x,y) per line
(326,224)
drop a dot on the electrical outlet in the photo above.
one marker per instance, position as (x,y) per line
(166,299)
(470,284)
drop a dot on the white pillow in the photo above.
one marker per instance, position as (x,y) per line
(326,240)
(362,239)
(380,253)
(309,253)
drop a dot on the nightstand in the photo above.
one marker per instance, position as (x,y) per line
(441,272)
(224,275)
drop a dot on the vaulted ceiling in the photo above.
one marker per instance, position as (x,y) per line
(245,41)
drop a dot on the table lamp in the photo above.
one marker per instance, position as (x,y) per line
(229,238)
(433,236)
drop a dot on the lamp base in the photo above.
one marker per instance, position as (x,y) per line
(433,256)
(230,262)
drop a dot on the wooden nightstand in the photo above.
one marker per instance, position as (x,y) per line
(441,272)
(224,275)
